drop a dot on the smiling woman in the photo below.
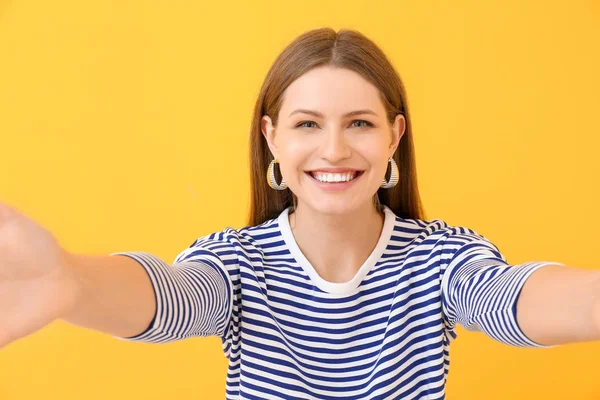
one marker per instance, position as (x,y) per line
(357,102)
(338,287)
(337,140)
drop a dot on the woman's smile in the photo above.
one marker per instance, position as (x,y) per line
(339,180)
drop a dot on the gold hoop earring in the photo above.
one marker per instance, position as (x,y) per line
(394,176)
(271,177)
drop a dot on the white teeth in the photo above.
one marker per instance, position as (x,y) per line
(329,177)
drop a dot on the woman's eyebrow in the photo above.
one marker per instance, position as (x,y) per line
(318,114)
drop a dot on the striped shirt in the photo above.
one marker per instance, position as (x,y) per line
(289,334)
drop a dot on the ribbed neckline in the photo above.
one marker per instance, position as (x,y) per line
(335,287)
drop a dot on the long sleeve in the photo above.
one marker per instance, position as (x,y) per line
(193,296)
(480,289)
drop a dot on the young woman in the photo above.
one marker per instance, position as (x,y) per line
(338,287)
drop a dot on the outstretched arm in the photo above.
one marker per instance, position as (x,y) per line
(560,304)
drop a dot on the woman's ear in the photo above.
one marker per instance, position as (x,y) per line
(268,131)
(398,129)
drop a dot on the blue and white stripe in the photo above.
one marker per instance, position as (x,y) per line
(289,334)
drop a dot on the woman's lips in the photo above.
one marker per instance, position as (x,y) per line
(334,186)
(357,171)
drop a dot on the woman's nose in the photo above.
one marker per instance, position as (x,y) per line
(335,146)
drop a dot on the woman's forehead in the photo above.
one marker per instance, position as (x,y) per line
(331,91)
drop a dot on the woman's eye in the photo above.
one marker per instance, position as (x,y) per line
(362,120)
(302,124)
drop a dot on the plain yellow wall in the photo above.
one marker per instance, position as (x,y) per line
(120,119)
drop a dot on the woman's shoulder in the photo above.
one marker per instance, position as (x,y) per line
(230,240)
(419,227)
(438,237)
(434,231)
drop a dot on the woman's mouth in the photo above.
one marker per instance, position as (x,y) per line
(334,182)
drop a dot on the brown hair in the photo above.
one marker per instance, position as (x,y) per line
(346,49)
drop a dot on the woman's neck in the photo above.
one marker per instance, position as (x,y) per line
(336,245)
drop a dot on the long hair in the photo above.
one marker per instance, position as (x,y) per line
(346,49)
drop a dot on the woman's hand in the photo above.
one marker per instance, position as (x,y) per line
(37,285)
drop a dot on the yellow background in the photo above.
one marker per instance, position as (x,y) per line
(120,121)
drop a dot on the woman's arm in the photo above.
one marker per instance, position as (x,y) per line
(560,304)
(115,296)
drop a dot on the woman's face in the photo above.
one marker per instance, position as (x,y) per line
(325,137)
